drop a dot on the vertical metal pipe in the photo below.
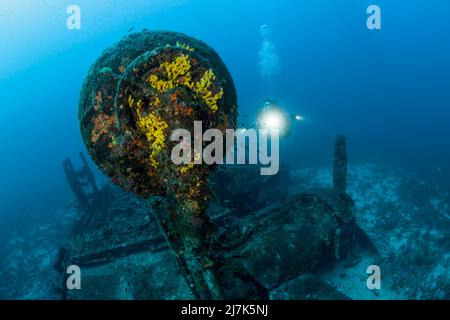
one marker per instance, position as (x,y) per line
(340,165)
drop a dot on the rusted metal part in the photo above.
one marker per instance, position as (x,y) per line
(340,166)
(83,185)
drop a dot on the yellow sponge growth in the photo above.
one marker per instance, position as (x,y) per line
(202,88)
(188,167)
(154,129)
(178,73)
(185,46)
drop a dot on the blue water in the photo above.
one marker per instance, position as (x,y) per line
(386,90)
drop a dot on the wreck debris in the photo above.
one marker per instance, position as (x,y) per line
(60,265)
(82,183)
(295,235)
(86,172)
(340,164)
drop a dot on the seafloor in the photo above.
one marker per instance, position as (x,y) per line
(406,217)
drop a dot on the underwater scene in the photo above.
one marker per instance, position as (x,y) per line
(225,150)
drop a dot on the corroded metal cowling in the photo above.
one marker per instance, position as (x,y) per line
(137,93)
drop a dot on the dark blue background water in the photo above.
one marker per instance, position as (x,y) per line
(386,90)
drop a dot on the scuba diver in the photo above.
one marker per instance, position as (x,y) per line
(271,116)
